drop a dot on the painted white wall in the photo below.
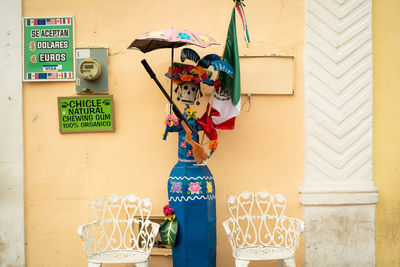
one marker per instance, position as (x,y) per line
(11,137)
(338,194)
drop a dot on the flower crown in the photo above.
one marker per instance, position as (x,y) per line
(188,73)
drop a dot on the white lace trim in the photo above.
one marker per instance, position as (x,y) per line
(186,160)
(191,178)
(183,198)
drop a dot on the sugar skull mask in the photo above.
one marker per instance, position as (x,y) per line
(188,92)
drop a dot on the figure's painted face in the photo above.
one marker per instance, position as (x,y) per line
(188,92)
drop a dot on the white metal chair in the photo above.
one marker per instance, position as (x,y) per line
(121,233)
(258,230)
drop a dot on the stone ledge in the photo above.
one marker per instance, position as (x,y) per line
(312,199)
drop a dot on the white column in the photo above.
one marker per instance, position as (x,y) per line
(338,194)
(11,137)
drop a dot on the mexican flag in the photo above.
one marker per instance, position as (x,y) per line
(227,108)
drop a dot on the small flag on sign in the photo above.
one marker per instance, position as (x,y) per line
(50,22)
(52,75)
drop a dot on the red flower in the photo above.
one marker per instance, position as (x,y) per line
(188,68)
(186,78)
(177,70)
(178,81)
(196,79)
(167,210)
(213,145)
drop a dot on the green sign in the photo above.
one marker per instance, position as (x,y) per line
(88,113)
(49,49)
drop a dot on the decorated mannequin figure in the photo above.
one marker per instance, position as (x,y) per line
(191,188)
(191,191)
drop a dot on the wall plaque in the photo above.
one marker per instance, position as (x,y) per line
(48,49)
(86,113)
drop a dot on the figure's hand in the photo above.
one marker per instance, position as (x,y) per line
(199,152)
(171,120)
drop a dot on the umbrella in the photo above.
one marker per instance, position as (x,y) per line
(170,38)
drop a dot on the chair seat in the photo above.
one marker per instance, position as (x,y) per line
(120,256)
(263,253)
(121,233)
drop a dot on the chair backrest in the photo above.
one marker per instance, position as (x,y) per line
(258,220)
(122,225)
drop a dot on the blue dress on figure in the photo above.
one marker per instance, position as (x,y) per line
(191,193)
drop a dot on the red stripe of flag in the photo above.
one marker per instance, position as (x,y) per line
(240,10)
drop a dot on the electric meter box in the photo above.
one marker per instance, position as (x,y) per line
(91,70)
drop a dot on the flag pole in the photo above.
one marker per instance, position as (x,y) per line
(213,91)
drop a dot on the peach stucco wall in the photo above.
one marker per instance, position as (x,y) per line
(64,173)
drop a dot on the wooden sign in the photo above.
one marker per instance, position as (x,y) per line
(267,75)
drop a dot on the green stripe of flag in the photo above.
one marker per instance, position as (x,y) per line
(231,55)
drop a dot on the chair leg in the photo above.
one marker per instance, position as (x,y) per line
(142,264)
(280,263)
(92,264)
(241,263)
(290,262)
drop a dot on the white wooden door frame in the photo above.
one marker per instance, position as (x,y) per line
(12,241)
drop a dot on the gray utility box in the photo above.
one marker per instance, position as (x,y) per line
(91,70)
